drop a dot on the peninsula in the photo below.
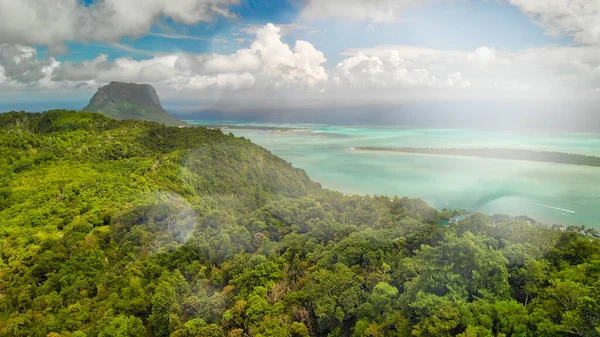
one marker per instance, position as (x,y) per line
(498,153)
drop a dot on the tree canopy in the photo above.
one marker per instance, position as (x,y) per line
(131,228)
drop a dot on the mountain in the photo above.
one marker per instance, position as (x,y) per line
(130,101)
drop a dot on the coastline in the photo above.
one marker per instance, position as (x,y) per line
(250,127)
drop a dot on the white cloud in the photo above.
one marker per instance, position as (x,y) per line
(285,29)
(482,56)
(363,70)
(372,10)
(21,67)
(267,64)
(101,70)
(2,75)
(302,65)
(545,72)
(52,22)
(242,60)
(456,80)
(578,18)
(273,72)
(224,81)
(399,68)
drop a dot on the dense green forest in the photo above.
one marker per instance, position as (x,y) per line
(498,153)
(131,228)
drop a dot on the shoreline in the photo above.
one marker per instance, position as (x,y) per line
(250,127)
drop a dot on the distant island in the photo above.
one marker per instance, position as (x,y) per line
(131,101)
(498,153)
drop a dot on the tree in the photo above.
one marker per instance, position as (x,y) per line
(197,327)
(123,326)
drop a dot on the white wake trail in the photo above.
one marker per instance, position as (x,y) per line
(556,208)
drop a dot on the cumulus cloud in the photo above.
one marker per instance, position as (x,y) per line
(482,56)
(101,70)
(270,71)
(456,79)
(21,67)
(545,71)
(400,66)
(52,22)
(302,65)
(242,60)
(285,29)
(268,64)
(372,10)
(578,18)
(363,71)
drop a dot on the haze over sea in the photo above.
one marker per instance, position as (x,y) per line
(548,192)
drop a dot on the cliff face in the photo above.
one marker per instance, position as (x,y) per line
(130,101)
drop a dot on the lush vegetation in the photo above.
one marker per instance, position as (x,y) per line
(131,228)
(518,154)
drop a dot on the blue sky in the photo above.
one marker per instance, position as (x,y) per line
(461,26)
(220,35)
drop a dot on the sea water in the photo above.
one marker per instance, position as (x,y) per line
(548,192)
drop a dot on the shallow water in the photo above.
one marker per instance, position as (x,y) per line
(547,192)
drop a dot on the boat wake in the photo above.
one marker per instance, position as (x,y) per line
(556,208)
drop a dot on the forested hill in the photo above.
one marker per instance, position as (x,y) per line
(141,156)
(135,229)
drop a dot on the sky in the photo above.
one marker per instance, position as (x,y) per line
(257,58)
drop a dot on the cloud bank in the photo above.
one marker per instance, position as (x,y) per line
(52,22)
(269,64)
(577,18)
(274,74)
(271,70)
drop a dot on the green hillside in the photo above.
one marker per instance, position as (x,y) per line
(132,228)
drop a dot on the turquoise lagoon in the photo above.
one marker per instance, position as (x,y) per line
(547,192)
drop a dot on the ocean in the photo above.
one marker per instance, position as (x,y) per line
(548,192)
